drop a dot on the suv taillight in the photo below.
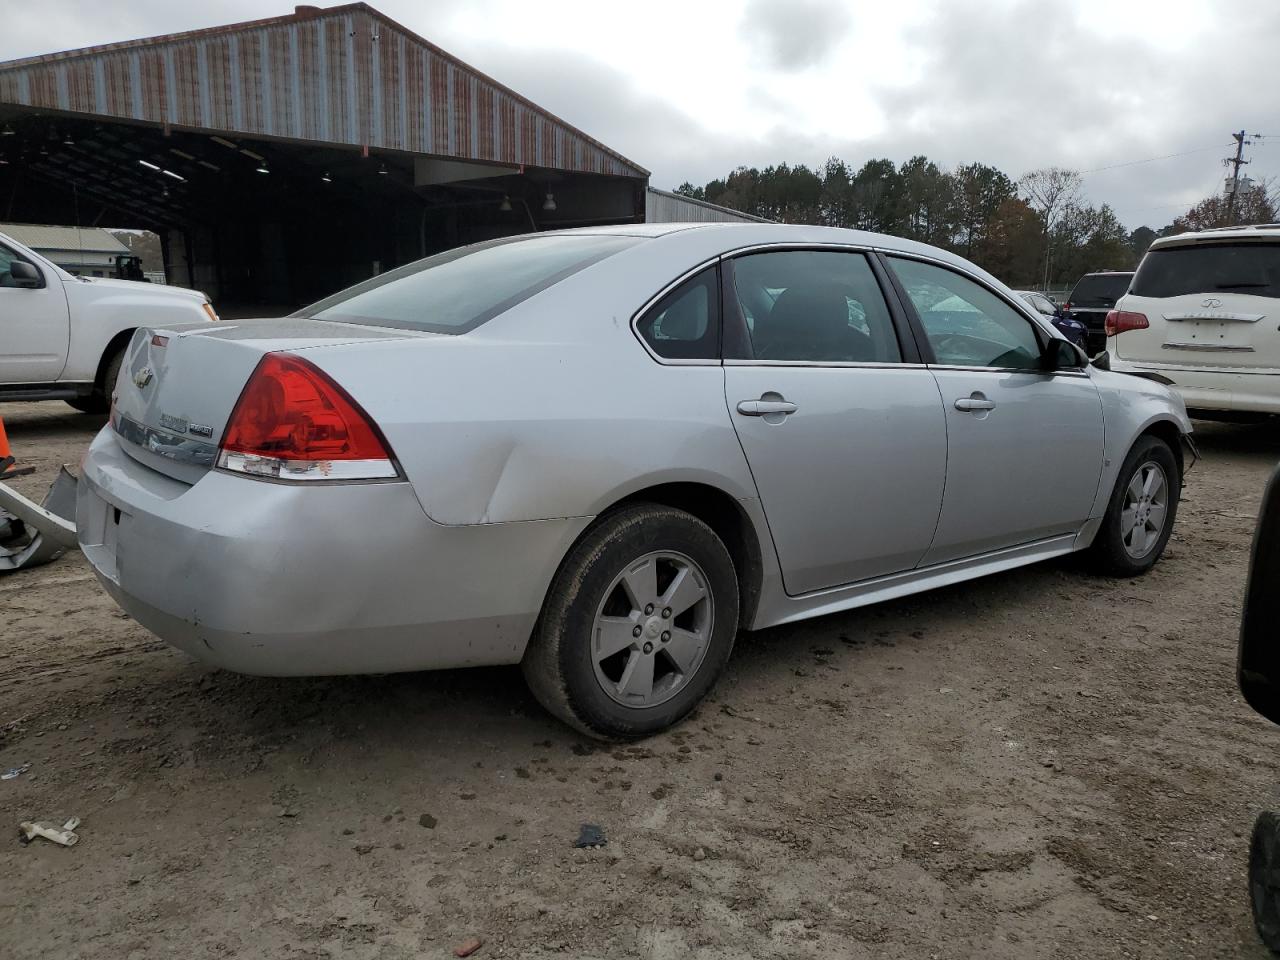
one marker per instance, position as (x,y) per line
(1118,321)
(1067,306)
(292,422)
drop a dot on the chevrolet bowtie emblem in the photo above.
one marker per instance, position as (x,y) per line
(142,377)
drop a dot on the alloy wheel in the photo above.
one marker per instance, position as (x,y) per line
(1145,509)
(652,629)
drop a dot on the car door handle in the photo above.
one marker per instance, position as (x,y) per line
(976,402)
(762,408)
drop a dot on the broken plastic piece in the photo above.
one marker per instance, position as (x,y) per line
(14,772)
(51,523)
(65,837)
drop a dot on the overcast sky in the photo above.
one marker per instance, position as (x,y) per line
(693,88)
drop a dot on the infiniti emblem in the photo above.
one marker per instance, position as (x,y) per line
(142,377)
(1212,302)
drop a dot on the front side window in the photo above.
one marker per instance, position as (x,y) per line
(1251,268)
(456,291)
(818,306)
(966,324)
(7,259)
(685,324)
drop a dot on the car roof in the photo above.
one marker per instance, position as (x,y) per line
(732,236)
(1256,233)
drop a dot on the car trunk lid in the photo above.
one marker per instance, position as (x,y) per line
(178,386)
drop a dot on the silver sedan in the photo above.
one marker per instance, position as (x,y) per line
(601,453)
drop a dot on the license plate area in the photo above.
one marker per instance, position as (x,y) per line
(100,534)
(1209,336)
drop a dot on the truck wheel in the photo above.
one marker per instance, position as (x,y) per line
(637,625)
(100,400)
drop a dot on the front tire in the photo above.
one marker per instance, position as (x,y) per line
(637,625)
(1141,512)
(100,400)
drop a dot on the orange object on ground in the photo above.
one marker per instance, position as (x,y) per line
(4,443)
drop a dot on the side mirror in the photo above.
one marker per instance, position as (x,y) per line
(1063,355)
(1258,664)
(24,274)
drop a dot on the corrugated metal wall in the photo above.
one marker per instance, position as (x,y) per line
(347,76)
(663,207)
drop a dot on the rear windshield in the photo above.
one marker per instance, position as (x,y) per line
(1100,289)
(1252,268)
(456,291)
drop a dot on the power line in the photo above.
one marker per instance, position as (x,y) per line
(1167,156)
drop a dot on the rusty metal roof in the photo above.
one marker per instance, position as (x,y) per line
(341,75)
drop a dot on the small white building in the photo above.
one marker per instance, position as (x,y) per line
(83,251)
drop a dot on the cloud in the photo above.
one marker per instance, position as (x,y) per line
(794,35)
(692,91)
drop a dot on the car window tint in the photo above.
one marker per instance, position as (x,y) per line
(685,324)
(967,325)
(457,291)
(1248,268)
(814,305)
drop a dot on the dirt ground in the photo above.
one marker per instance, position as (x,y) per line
(1038,764)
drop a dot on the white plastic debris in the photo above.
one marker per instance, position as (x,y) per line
(66,837)
(14,772)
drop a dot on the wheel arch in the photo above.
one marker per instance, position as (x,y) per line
(1168,431)
(117,343)
(725,516)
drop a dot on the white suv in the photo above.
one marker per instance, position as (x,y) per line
(1203,312)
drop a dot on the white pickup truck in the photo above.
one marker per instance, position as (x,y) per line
(63,337)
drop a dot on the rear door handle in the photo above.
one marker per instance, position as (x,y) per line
(976,402)
(762,408)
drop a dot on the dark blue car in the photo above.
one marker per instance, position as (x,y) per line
(1073,330)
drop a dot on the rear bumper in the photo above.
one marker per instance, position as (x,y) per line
(278,579)
(1214,389)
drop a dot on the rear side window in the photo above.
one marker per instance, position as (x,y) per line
(814,306)
(685,324)
(1252,268)
(1100,289)
(456,291)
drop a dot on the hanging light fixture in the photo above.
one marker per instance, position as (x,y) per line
(68,140)
(382,168)
(505,205)
(7,130)
(326,178)
(549,203)
(262,167)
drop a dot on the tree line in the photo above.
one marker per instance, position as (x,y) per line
(1033,232)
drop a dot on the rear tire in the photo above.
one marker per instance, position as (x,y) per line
(1141,512)
(638,623)
(100,400)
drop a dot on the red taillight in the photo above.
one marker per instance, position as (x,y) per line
(1067,305)
(292,422)
(1118,321)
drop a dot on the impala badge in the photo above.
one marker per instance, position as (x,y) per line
(142,377)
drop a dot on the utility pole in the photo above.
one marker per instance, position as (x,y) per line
(1236,163)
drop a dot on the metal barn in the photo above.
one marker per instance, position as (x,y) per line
(283,159)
